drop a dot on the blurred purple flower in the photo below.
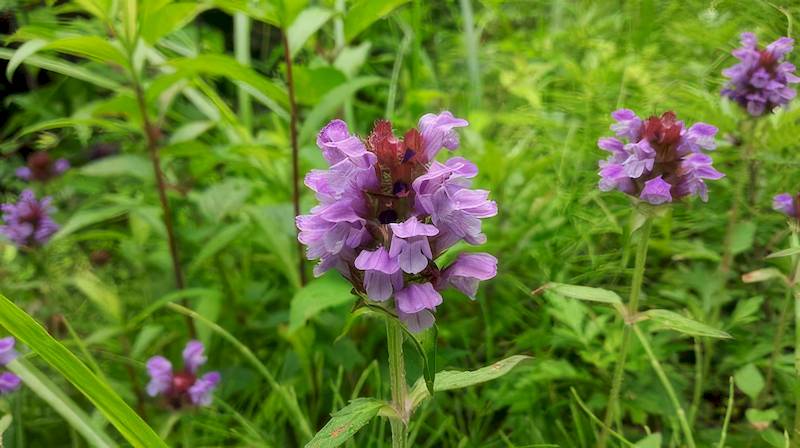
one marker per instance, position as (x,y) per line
(787,204)
(7,352)
(9,383)
(760,81)
(182,387)
(661,162)
(28,222)
(387,210)
(41,167)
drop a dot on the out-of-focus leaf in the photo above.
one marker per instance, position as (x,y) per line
(24,51)
(651,441)
(330,102)
(322,293)
(749,380)
(762,275)
(366,12)
(346,422)
(110,125)
(222,199)
(98,8)
(65,68)
(43,387)
(120,166)
(312,84)
(30,333)
(682,324)
(742,237)
(278,237)
(583,293)
(191,131)
(86,218)
(169,18)
(350,59)
(785,253)
(91,47)
(451,379)
(304,26)
(217,243)
(262,10)
(103,295)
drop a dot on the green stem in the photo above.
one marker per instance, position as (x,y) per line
(397,380)
(697,395)
(633,307)
(673,397)
(796,289)
(241,43)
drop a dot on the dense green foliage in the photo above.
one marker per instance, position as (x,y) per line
(537,81)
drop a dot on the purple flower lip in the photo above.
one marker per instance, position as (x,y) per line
(788,205)
(7,352)
(761,81)
(9,383)
(387,209)
(662,161)
(183,387)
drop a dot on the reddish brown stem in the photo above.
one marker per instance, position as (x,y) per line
(295,152)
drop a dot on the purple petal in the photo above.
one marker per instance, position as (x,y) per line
(417,297)
(201,391)
(7,352)
(417,322)
(412,227)
(9,383)
(160,371)
(437,131)
(193,356)
(656,191)
(468,270)
(378,260)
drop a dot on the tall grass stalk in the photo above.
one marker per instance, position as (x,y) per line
(241,44)
(632,309)
(397,381)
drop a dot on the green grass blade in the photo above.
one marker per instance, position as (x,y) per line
(41,385)
(31,333)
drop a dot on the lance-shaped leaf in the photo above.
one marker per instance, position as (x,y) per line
(345,422)
(582,293)
(318,295)
(762,275)
(785,253)
(673,321)
(366,12)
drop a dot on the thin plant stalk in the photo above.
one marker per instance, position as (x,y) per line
(699,366)
(632,309)
(151,134)
(662,376)
(397,381)
(796,292)
(287,56)
(241,43)
(777,344)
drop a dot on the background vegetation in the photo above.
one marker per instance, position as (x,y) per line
(537,81)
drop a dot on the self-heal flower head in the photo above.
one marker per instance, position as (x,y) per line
(761,80)
(658,160)
(185,386)
(7,351)
(9,383)
(387,210)
(42,168)
(787,204)
(28,223)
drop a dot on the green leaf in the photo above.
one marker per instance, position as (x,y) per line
(42,386)
(758,416)
(346,422)
(651,441)
(365,13)
(763,275)
(330,102)
(169,18)
(29,332)
(103,295)
(58,123)
(217,243)
(583,293)
(350,59)
(5,422)
(119,166)
(65,68)
(304,26)
(91,47)
(682,324)
(785,253)
(749,380)
(262,10)
(98,8)
(451,379)
(85,218)
(24,51)
(319,294)
(742,237)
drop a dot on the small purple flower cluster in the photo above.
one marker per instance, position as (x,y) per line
(388,209)
(788,205)
(8,381)
(185,386)
(28,222)
(41,167)
(661,162)
(760,81)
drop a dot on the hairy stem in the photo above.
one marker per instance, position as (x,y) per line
(287,55)
(633,307)
(397,380)
(151,134)
(673,397)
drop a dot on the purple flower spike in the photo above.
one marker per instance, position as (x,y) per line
(28,222)
(160,371)
(787,204)
(387,210)
(193,356)
(9,383)
(662,161)
(7,352)
(41,167)
(760,82)
(200,392)
(468,271)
